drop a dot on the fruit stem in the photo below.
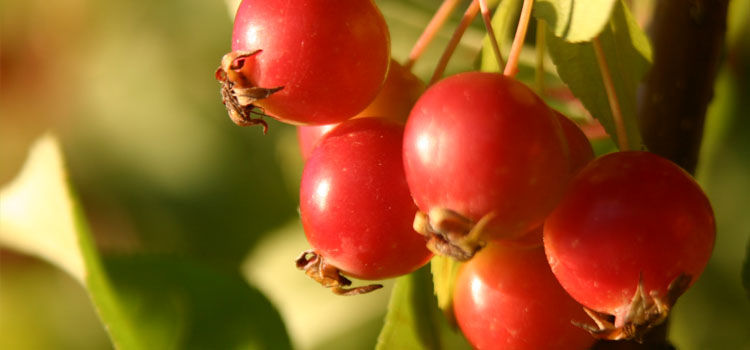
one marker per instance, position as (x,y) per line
(515,50)
(491,33)
(437,22)
(540,47)
(614,104)
(469,15)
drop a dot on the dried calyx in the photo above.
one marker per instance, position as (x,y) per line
(450,233)
(329,276)
(238,94)
(645,312)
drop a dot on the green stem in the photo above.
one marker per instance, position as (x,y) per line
(469,15)
(541,44)
(437,22)
(515,50)
(491,33)
(614,103)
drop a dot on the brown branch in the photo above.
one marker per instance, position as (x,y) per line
(687,38)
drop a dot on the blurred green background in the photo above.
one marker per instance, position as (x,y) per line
(160,169)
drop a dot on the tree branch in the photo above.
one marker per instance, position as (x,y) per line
(687,38)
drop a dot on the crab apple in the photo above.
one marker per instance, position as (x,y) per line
(630,235)
(355,204)
(394,101)
(399,93)
(309,135)
(579,147)
(483,148)
(306,61)
(507,298)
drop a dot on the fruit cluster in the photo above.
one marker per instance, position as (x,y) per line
(476,167)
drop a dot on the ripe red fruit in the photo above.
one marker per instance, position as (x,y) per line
(581,152)
(630,217)
(507,298)
(355,204)
(329,57)
(399,93)
(309,135)
(480,144)
(394,101)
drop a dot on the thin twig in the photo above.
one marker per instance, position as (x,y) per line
(515,50)
(437,21)
(491,33)
(614,104)
(469,15)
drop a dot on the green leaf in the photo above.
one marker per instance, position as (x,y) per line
(179,304)
(42,218)
(38,212)
(628,55)
(414,321)
(444,272)
(143,303)
(504,27)
(574,20)
(411,322)
(746,270)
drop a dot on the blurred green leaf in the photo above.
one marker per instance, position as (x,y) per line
(504,27)
(414,320)
(40,214)
(179,304)
(41,217)
(142,302)
(156,151)
(574,20)
(628,55)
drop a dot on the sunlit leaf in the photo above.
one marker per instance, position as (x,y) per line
(628,55)
(143,303)
(444,272)
(414,320)
(179,304)
(410,322)
(574,20)
(37,211)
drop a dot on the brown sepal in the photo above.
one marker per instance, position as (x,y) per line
(328,275)
(450,233)
(237,92)
(646,311)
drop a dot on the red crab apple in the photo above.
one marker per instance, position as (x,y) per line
(304,61)
(507,298)
(484,158)
(631,234)
(356,209)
